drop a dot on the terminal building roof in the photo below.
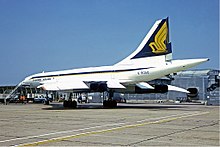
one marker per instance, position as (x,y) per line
(198,72)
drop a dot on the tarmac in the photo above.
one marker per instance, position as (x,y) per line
(92,125)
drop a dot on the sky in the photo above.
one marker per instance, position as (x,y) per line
(48,35)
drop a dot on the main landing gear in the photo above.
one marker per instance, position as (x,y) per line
(109,103)
(69,104)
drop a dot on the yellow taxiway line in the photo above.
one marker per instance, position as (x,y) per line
(109,130)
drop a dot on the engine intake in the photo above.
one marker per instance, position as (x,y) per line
(98,87)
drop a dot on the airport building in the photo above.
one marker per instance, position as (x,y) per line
(202,84)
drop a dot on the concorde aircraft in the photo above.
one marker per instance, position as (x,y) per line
(151,60)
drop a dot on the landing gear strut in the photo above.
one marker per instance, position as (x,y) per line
(109,103)
(46,102)
(70,103)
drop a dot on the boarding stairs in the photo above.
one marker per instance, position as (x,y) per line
(12,94)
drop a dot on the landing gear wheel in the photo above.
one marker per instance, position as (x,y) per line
(105,103)
(109,104)
(65,104)
(69,104)
(73,104)
(114,104)
(46,102)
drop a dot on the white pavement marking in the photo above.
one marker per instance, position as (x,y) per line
(61,132)
(69,131)
(125,125)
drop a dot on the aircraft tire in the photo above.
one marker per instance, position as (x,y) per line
(109,104)
(114,104)
(72,104)
(65,104)
(46,102)
(105,103)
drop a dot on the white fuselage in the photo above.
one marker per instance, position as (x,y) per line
(124,74)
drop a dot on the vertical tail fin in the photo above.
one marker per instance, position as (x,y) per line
(155,44)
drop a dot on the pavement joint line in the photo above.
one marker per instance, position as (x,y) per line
(61,132)
(175,132)
(63,138)
(94,127)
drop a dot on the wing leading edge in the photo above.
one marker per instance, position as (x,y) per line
(78,85)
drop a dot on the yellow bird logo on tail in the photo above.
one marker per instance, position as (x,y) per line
(159,46)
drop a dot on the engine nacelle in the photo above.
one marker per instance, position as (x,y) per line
(193,92)
(157,89)
(98,87)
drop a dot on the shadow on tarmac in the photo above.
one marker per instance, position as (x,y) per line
(59,106)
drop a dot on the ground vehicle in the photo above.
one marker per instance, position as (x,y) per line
(41,99)
(83,98)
